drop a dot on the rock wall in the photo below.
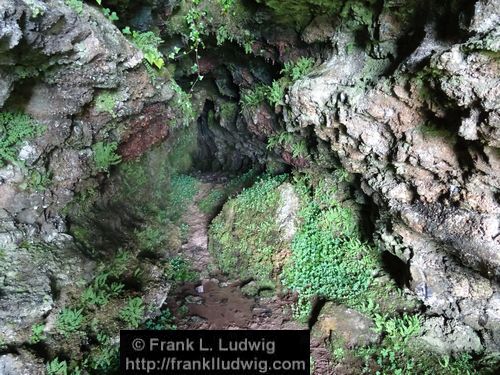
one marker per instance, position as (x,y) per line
(58,65)
(423,137)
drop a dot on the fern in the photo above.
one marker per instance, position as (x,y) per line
(105,155)
(15,128)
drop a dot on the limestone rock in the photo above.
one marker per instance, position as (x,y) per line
(336,322)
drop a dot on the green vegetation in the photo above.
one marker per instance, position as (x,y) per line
(164,321)
(178,270)
(290,142)
(112,16)
(148,42)
(213,200)
(133,313)
(35,8)
(254,97)
(294,71)
(15,128)
(274,94)
(183,101)
(106,101)
(57,367)
(76,5)
(328,257)
(300,12)
(101,290)
(69,321)
(245,236)
(37,334)
(105,155)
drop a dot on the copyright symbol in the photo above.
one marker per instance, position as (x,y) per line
(138,345)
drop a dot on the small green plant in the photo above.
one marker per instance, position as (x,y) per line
(178,270)
(37,333)
(213,200)
(105,357)
(184,103)
(100,291)
(105,102)
(132,314)
(151,239)
(105,155)
(15,128)
(226,5)
(298,69)
(164,321)
(57,367)
(276,93)
(255,97)
(148,42)
(69,321)
(35,8)
(112,16)
(76,5)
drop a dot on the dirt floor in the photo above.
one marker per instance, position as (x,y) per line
(214,302)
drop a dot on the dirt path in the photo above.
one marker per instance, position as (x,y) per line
(196,248)
(214,302)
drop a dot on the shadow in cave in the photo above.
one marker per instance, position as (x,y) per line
(396,268)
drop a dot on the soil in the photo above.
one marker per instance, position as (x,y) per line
(214,302)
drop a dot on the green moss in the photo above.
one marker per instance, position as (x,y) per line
(300,12)
(432,130)
(106,102)
(245,237)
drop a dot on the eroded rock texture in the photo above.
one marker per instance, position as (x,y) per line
(423,137)
(58,66)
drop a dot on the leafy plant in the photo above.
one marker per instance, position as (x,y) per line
(226,5)
(276,93)
(223,35)
(151,239)
(57,367)
(298,69)
(328,257)
(37,333)
(76,5)
(178,270)
(35,8)
(69,321)
(254,97)
(15,128)
(148,42)
(213,200)
(105,155)
(164,321)
(133,312)
(184,103)
(112,16)
(100,291)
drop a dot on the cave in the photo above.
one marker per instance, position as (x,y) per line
(317,173)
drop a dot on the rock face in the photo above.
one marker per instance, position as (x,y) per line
(423,138)
(60,66)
